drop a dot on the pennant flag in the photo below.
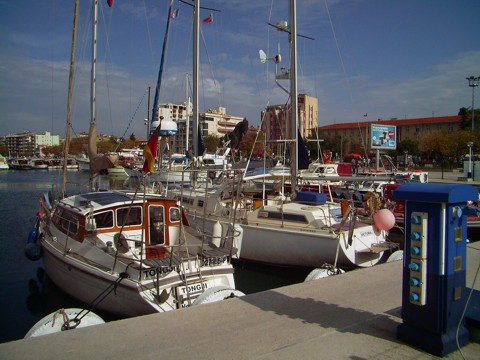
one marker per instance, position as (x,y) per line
(110,3)
(201,144)
(365,115)
(150,150)
(303,155)
(208,19)
(174,14)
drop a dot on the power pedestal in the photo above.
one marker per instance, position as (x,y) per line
(434,266)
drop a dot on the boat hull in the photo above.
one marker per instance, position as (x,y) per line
(274,245)
(134,294)
(85,284)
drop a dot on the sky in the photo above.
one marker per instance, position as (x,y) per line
(380,58)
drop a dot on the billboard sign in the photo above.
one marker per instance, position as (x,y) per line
(383,137)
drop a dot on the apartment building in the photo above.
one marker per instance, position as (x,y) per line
(28,144)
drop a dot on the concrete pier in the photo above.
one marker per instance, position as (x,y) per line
(349,316)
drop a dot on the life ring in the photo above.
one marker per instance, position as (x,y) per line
(371,202)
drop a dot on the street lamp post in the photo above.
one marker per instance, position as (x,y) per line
(473,82)
(470,159)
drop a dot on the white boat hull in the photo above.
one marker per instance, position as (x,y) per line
(129,297)
(306,247)
(85,284)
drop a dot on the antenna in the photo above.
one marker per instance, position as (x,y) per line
(277,59)
(283,26)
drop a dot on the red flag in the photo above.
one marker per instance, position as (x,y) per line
(208,19)
(150,150)
(365,115)
(110,3)
(174,14)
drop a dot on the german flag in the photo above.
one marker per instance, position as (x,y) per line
(150,150)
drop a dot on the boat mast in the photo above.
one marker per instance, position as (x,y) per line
(162,65)
(293,95)
(93,78)
(196,55)
(187,124)
(69,100)
(92,133)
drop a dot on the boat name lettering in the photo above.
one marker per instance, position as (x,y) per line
(214,260)
(192,289)
(366,233)
(161,271)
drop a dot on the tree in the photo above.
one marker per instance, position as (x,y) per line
(3,149)
(211,142)
(104,147)
(447,147)
(132,137)
(408,145)
(56,150)
(77,146)
(252,144)
(465,123)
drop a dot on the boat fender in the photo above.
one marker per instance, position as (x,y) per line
(33,236)
(217,234)
(371,201)
(320,273)
(53,323)
(397,255)
(33,251)
(217,293)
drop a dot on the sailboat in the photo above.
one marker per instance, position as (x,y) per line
(304,231)
(129,252)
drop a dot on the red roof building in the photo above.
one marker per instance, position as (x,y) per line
(412,129)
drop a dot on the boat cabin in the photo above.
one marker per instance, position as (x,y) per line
(118,218)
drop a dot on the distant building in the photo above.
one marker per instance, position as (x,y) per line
(277,122)
(28,144)
(217,122)
(47,139)
(212,122)
(411,129)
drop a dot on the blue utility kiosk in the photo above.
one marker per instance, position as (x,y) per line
(434,265)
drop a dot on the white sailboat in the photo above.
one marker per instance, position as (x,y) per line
(129,253)
(305,232)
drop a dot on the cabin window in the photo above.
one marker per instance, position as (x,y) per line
(66,221)
(175,214)
(336,213)
(200,203)
(129,216)
(104,220)
(157,225)
(283,216)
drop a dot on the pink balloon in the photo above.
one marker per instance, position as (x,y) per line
(384,219)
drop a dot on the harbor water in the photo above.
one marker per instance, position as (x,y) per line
(27,294)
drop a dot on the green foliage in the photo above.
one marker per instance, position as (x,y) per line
(3,150)
(409,145)
(211,142)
